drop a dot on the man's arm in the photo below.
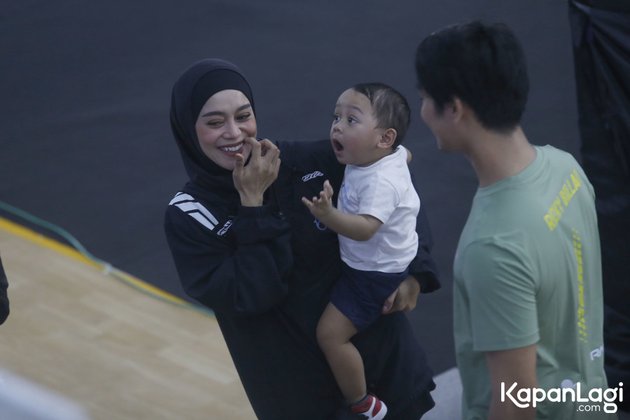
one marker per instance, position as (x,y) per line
(510,366)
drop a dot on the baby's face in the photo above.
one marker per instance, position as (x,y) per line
(354,133)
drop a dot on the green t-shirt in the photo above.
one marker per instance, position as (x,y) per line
(528,270)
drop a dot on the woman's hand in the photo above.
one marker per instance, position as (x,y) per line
(253,179)
(404,298)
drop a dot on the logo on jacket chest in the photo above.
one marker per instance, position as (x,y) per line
(319,225)
(226,226)
(312,175)
(308,177)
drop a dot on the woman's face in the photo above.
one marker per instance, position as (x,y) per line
(224,122)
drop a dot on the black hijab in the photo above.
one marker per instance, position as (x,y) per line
(191,91)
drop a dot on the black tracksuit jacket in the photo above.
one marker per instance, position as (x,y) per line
(267,272)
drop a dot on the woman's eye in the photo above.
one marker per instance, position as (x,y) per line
(243,117)
(214,123)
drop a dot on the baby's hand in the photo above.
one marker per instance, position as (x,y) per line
(322,205)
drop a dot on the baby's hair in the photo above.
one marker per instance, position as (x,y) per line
(391,109)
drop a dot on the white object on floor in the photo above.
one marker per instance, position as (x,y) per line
(23,400)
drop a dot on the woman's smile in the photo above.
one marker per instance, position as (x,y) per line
(232,149)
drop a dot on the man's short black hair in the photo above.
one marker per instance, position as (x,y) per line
(481,64)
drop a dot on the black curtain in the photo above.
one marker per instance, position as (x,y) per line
(601,48)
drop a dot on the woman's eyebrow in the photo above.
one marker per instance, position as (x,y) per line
(207,114)
(240,108)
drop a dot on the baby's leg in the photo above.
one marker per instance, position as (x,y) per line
(333,335)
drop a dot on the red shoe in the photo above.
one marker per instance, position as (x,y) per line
(370,407)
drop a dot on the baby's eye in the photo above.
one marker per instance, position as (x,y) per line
(335,117)
(351,120)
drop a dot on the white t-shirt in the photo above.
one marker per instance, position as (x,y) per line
(382,190)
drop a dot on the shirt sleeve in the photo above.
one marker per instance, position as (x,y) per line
(244,276)
(501,287)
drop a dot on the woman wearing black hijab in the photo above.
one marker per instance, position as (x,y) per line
(246,247)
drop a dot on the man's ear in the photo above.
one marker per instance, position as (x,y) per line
(457,109)
(388,138)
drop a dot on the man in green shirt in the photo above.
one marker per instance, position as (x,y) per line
(528,308)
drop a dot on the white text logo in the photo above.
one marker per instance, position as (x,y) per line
(312,175)
(525,397)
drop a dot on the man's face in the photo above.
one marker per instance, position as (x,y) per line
(437,122)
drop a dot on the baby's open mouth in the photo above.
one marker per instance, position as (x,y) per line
(337,146)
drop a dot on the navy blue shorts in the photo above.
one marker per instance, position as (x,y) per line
(360,295)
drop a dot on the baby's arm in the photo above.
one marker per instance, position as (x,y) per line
(359,227)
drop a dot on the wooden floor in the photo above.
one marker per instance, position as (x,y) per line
(116,351)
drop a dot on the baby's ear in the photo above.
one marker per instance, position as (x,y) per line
(388,138)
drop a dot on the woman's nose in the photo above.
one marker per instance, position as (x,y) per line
(232,129)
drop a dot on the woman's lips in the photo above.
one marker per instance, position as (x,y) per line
(235,148)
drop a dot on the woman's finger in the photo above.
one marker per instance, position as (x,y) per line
(388,306)
(267,146)
(238,164)
(276,164)
(256,148)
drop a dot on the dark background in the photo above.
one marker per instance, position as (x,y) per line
(85,91)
